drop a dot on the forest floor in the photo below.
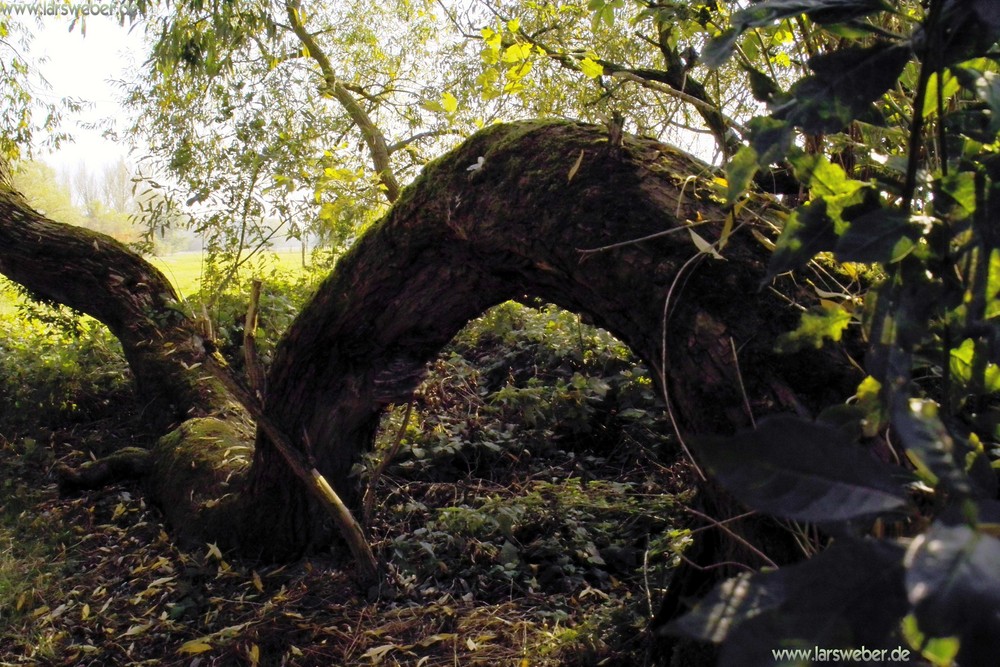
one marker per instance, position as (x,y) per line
(527,522)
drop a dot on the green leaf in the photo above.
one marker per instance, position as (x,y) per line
(993,285)
(986,86)
(718,50)
(824,178)
(809,230)
(449,103)
(950,87)
(756,613)
(931,447)
(883,235)
(955,195)
(953,582)
(591,69)
(828,320)
(516,53)
(762,87)
(803,471)
(431,105)
(771,11)
(771,138)
(844,85)
(739,173)
(972,373)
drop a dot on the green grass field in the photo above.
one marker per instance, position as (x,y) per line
(183,269)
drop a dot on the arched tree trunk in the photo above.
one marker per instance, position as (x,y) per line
(170,360)
(94,274)
(545,209)
(461,240)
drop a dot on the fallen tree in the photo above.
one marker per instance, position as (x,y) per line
(545,209)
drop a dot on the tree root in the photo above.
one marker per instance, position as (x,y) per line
(128,463)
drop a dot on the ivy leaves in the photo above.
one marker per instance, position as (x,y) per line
(921,217)
(767,13)
(803,471)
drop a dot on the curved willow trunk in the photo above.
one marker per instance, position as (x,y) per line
(95,274)
(542,209)
(170,361)
(464,237)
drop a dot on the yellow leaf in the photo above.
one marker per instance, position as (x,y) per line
(703,245)
(213,552)
(514,25)
(591,69)
(575,167)
(257,583)
(194,646)
(727,229)
(377,653)
(519,71)
(85,612)
(449,103)
(136,630)
(254,655)
(516,53)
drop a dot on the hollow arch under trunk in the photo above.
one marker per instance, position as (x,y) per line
(516,211)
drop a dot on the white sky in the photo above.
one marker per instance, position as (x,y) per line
(82,67)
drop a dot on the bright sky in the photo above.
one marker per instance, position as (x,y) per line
(82,67)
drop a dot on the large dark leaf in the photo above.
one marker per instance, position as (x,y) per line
(986,86)
(730,603)
(809,230)
(953,581)
(850,595)
(927,438)
(965,29)
(771,139)
(844,85)
(772,11)
(803,471)
(883,235)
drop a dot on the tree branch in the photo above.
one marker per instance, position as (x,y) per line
(369,130)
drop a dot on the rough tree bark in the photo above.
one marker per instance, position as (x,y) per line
(94,274)
(460,241)
(511,212)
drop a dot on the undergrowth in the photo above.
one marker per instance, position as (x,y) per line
(529,517)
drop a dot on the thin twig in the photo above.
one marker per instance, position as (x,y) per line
(721,526)
(731,519)
(743,389)
(684,97)
(368,504)
(301,467)
(641,239)
(662,371)
(716,566)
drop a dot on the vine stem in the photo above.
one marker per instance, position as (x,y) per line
(917,124)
